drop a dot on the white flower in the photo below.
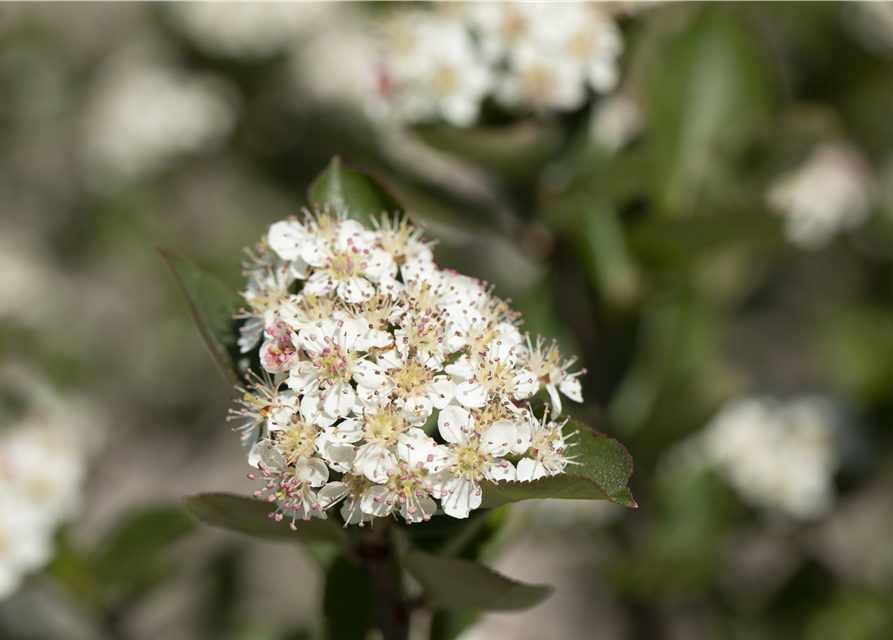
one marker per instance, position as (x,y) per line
(541,79)
(831,192)
(547,451)
(331,364)
(550,370)
(143,115)
(472,458)
(290,485)
(778,456)
(411,481)
(26,542)
(249,30)
(616,120)
(347,263)
(492,375)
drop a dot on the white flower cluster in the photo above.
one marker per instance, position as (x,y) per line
(144,114)
(778,456)
(365,342)
(47,432)
(831,192)
(528,56)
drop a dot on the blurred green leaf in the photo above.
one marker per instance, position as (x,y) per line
(703,82)
(129,562)
(348,602)
(518,150)
(345,187)
(454,583)
(849,341)
(213,306)
(251,516)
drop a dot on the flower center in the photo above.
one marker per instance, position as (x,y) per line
(343,265)
(297,441)
(334,363)
(383,427)
(445,80)
(468,459)
(539,82)
(410,378)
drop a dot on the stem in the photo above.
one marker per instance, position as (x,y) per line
(376,555)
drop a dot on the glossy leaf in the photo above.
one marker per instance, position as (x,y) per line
(454,583)
(213,306)
(251,516)
(345,187)
(606,468)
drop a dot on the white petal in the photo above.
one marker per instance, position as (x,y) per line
(377,507)
(312,470)
(529,469)
(374,461)
(463,495)
(499,438)
(572,388)
(471,395)
(556,399)
(441,391)
(496,471)
(452,423)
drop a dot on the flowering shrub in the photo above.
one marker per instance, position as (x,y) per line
(387,385)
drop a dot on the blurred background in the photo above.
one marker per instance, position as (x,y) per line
(695,199)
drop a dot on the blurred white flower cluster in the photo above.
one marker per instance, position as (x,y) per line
(778,456)
(831,192)
(145,114)
(39,429)
(527,56)
(364,342)
(248,30)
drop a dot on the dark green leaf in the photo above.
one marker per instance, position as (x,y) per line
(348,602)
(603,475)
(454,583)
(345,187)
(251,516)
(213,306)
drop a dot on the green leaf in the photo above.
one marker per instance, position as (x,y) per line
(348,587)
(130,561)
(345,187)
(606,468)
(213,306)
(133,547)
(704,83)
(251,516)
(454,583)
(518,151)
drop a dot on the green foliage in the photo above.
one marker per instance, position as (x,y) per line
(129,561)
(213,306)
(348,602)
(345,187)
(455,583)
(251,516)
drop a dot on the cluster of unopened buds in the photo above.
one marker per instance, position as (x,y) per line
(388,383)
